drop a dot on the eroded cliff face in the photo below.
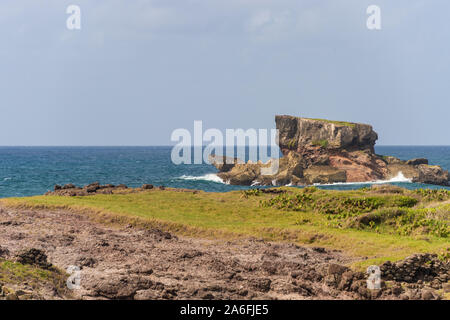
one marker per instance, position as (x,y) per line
(299,133)
(325,151)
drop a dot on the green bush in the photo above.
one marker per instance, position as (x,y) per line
(348,205)
(417,221)
(433,194)
(251,192)
(404,201)
(297,202)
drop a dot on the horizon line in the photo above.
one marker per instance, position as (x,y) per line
(168,145)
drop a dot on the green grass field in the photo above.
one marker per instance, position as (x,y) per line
(371,225)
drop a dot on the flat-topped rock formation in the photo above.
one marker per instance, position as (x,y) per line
(298,133)
(325,151)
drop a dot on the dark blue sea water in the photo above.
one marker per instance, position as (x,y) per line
(26,171)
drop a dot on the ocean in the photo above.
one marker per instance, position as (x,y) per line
(27,171)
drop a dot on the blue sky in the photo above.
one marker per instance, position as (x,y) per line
(138,69)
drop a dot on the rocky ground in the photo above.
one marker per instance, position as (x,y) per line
(131,263)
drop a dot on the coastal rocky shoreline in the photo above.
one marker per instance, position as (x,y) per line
(317,151)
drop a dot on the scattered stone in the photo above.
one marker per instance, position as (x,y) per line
(20,293)
(418,267)
(318,249)
(4,252)
(208,296)
(273,190)
(121,287)
(336,269)
(12,296)
(262,285)
(404,297)
(397,290)
(34,257)
(415,162)
(103,243)
(446,287)
(93,187)
(427,295)
(86,262)
(147,186)
(191,254)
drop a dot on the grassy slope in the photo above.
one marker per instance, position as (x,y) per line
(14,274)
(234,214)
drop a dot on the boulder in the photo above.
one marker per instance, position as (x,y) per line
(92,187)
(417,161)
(4,252)
(432,175)
(241,174)
(223,163)
(324,174)
(392,160)
(35,257)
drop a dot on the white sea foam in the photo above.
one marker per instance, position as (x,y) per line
(214,178)
(398,178)
(6,179)
(207,177)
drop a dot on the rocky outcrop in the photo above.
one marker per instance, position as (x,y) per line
(325,151)
(34,257)
(71,190)
(417,161)
(324,174)
(423,267)
(298,133)
(422,173)
(90,189)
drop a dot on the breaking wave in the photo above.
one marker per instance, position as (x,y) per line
(212,177)
(398,178)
